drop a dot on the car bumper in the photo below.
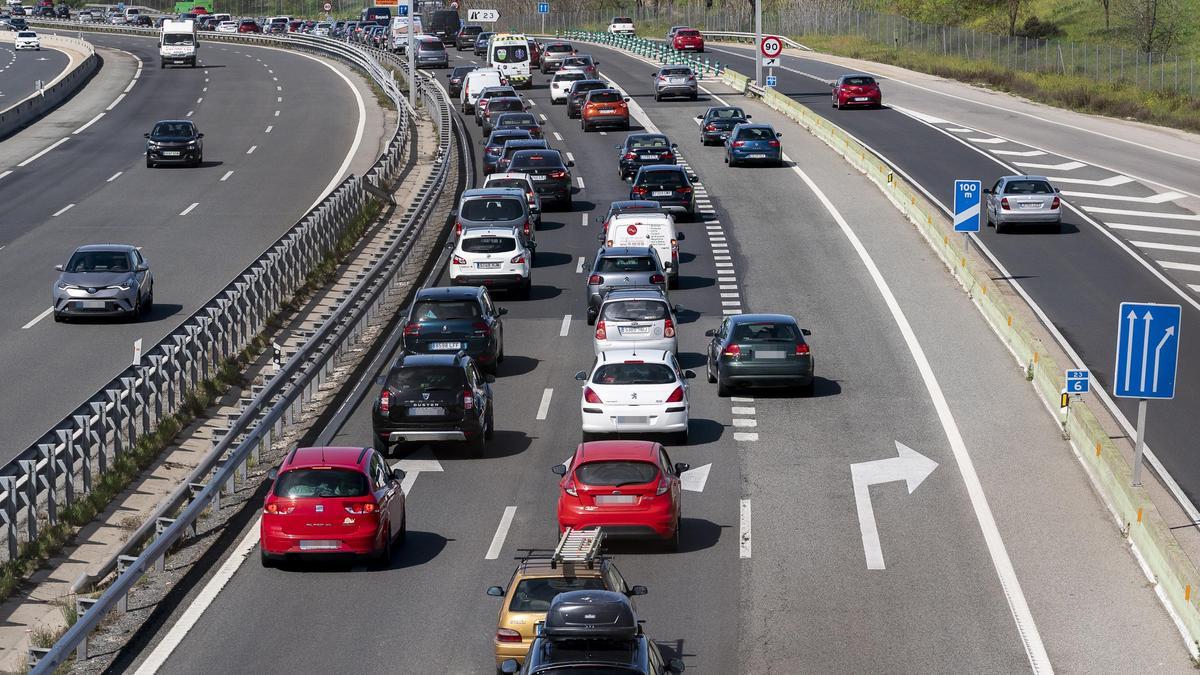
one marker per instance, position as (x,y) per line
(278,544)
(1036,217)
(433,63)
(651,419)
(871,101)
(20,46)
(552,190)
(648,344)
(676,90)
(696,47)
(772,156)
(94,306)
(656,521)
(511,650)
(489,279)
(782,374)
(607,120)
(183,157)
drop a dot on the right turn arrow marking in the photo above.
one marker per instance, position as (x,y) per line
(910,466)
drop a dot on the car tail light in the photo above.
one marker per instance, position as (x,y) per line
(362,507)
(481,327)
(676,396)
(468,399)
(591,397)
(668,328)
(664,484)
(558,173)
(412,328)
(385,401)
(639,190)
(529,196)
(507,635)
(458,227)
(802,349)
(595,280)
(569,488)
(656,278)
(608,242)
(279,508)
(738,144)
(691,77)
(1054,204)
(601,331)
(667,155)
(458,260)
(1004,203)
(527,228)
(518,259)
(732,351)
(773,144)
(710,127)
(630,155)
(662,78)
(683,189)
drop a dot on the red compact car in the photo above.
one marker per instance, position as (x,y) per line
(856,90)
(688,39)
(249,26)
(535,54)
(630,488)
(333,501)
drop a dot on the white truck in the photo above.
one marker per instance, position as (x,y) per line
(398,41)
(178,44)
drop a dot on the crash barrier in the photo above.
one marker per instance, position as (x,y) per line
(22,113)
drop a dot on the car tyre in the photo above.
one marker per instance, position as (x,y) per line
(475,445)
(673,282)
(679,438)
(403,536)
(149,162)
(384,558)
(489,424)
(526,289)
(693,96)
(657,98)
(267,561)
(708,371)
(807,390)
(722,388)
(672,544)
(59,318)
(148,305)
(1000,226)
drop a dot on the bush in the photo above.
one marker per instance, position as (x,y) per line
(1039,30)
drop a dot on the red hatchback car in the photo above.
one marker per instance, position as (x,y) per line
(630,488)
(856,90)
(688,39)
(249,26)
(333,501)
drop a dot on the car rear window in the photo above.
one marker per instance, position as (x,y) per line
(1027,187)
(756,134)
(689,33)
(605,97)
(510,54)
(301,483)
(445,310)
(859,81)
(508,182)
(492,209)
(662,178)
(416,379)
(634,373)
(460,71)
(504,103)
(627,263)
(534,595)
(559,49)
(489,244)
(616,473)
(766,332)
(514,119)
(432,46)
(99,261)
(535,160)
(648,142)
(635,310)
(574,76)
(677,72)
(577,61)
(499,138)
(472,30)
(728,113)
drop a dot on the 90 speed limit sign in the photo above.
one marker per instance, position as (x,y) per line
(771,46)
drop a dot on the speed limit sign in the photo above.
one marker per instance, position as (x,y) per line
(771,46)
(328,7)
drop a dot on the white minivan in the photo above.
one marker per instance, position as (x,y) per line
(474,84)
(656,230)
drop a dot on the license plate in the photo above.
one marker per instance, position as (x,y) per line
(676,80)
(634,330)
(757,155)
(862,98)
(1030,205)
(171,153)
(632,420)
(442,346)
(426,412)
(648,156)
(537,177)
(608,112)
(661,193)
(320,544)
(92,304)
(488,265)
(769,355)
(616,499)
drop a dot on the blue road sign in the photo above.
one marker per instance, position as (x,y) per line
(402,9)
(966,205)
(1078,382)
(543,8)
(1147,350)
(771,80)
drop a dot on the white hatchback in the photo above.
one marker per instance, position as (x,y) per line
(637,392)
(227,27)
(560,83)
(496,257)
(621,25)
(27,39)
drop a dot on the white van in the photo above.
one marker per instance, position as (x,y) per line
(474,84)
(656,230)
(177,43)
(509,54)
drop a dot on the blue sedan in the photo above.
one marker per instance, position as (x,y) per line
(753,143)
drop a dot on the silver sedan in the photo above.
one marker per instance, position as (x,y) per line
(675,81)
(103,280)
(1022,199)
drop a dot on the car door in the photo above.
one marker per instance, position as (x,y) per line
(479,385)
(383,487)
(493,317)
(668,469)
(679,376)
(993,199)
(714,345)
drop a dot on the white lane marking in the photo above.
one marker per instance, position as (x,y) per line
(61,211)
(1166,247)
(200,99)
(279,99)
(38,318)
(1194,287)
(744,422)
(744,529)
(278,88)
(731,303)
(1155,230)
(1111,181)
(580,180)
(493,551)
(44,151)
(731,312)
(990,140)
(730,295)
(1184,267)
(728,287)
(1148,214)
(957,130)
(583,219)
(1019,153)
(1159,198)
(90,123)
(727,280)
(114,176)
(544,406)
(603,133)
(2,175)
(130,86)
(189,209)
(277,113)
(269,128)
(557,136)
(543,116)
(1035,649)
(192,614)
(191,112)
(742,410)
(570,157)
(1065,166)
(251,150)
(115,102)
(579,266)
(227,175)
(566,326)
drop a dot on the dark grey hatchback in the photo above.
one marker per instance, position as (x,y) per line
(762,350)
(450,320)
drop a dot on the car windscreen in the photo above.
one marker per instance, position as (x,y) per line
(859,81)
(755,134)
(172,130)
(302,483)
(634,310)
(446,310)
(178,39)
(26,34)
(99,261)
(534,595)
(491,209)
(510,54)
(527,159)
(626,263)
(616,473)
(1027,187)
(648,142)
(661,178)
(516,119)
(489,244)
(766,331)
(416,379)
(605,97)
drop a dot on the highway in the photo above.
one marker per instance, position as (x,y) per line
(20,72)
(281,130)
(771,576)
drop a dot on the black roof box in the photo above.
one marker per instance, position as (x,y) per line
(591,614)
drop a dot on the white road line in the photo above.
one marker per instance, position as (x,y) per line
(199,100)
(191,112)
(744,529)
(1148,214)
(90,123)
(189,209)
(747,436)
(1185,267)
(579,179)
(204,89)
(957,130)
(1065,166)
(358,132)
(579,266)
(1027,629)
(1111,181)
(731,312)
(38,318)
(251,150)
(730,295)
(277,113)
(278,88)
(1155,230)
(742,399)
(61,211)
(269,128)
(2,175)
(742,422)
(566,326)
(1018,153)
(727,287)
(1166,247)
(227,175)
(557,136)
(44,151)
(1159,198)
(130,85)
(541,115)
(279,99)
(583,219)
(493,551)
(544,406)
(570,157)
(990,140)
(731,303)
(727,280)
(115,102)
(742,410)
(114,176)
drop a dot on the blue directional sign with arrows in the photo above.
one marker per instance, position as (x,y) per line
(1147,351)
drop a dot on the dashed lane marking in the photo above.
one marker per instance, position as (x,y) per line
(566,326)
(90,123)
(44,151)
(544,406)
(226,176)
(579,265)
(189,209)
(63,210)
(251,150)
(747,436)
(45,313)
(114,176)
(497,546)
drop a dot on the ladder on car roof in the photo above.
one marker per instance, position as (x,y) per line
(578,546)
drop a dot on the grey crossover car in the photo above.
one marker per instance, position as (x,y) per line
(103,280)
(553,55)
(494,207)
(675,81)
(431,53)
(622,267)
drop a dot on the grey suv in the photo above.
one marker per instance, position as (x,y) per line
(494,207)
(675,81)
(622,267)
(553,55)
(103,280)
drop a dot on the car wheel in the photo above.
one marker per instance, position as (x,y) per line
(383,446)
(807,390)
(475,446)
(148,305)
(403,536)
(267,561)
(693,96)
(489,424)
(384,558)
(708,371)
(673,282)
(59,318)
(149,162)
(583,125)
(680,438)
(722,388)
(527,289)
(673,542)
(1000,226)
(657,98)
(568,203)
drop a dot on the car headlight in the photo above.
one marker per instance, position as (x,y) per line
(124,285)
(64,285)
(191,144)
(153,145)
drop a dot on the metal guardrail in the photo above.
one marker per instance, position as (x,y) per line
(281,399)
(734,36)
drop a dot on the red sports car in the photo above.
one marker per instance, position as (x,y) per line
(856,90)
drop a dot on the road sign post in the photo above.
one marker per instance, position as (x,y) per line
(758,41)
(966,209)
(402,9)
(769,49)
(543,10)
(1147,357)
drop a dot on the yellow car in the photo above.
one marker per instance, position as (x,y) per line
(575,564)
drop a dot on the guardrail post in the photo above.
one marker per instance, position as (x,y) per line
(51,478)
(114,420)
(77,452)
(142,386)
(123,563)
(9,512)
(192,351)
(29,497)
(99,439)
(82,605)
(154,382)
(129,411)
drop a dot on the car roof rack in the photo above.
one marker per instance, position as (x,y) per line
(575,547)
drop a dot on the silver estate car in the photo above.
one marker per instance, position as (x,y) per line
(1022,199)
(103,280)
(431,53)
(622,267)
(675,80)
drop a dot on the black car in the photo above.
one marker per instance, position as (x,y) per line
(668,184)
(63,11)
(592,631)
(17,23)
(761,350)
(551,175)
(142,20)
(456,79)
(717,122)
(174,142)
(450,320)
(579,91)
(493,147)
(497,105)
(481,43)
(512,147)
(431,398)
(642,149)
(466,37)
(517,120)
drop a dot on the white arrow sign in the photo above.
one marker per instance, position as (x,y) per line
(421,460)
(910,466)
(483,15)
(693,479)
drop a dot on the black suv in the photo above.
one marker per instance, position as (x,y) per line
(579,91)
(450,320)
(174,142)
(466,37)
(642,149)
(592,631)
(429,398)
(456,76)
(716,123)
(550,174)
(668,184)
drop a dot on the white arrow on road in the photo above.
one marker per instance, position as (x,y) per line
(693,479)
(1158,354)
(1145,349)
(910,466)
(414,464)
(1129,347)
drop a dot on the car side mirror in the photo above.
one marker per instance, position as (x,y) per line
(680,236)
(778,134)
(145,135)
(749,116)
(398,474)
(653,74)
(689,374)
(142,268)
(673,666)
(510,666)
(710,333)
(59,268)
(674,145)
(693,177)
(449,75)
(1057,190)
(805,331)
(501,311)
(638,590)
(699,117)
(199,135)
(495,591)
(677,309)
(273,474)
(680,467)
(559,469)
(581,375)
(489,378)
(987,191)
(627,99)
(617,147)
(570,162)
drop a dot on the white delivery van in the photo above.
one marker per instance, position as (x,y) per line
(178,44)
(474,84)
(656,230)
(510,55)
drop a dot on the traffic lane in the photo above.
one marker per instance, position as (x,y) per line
(20,71)
(245,210)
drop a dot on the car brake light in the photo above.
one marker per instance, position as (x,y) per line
(558,173)
(518,259)
(482,327)
(362,507)
(801,349)
(569,488)
(412,328)
(656,278)
(458,260)
(385,401)
(630,155)
(590,396)
(738,144)
(683,189)
(458,227)
(1054,204)
(639,190)
(667,155)
(601,331)
(468,399)
(609,243)
(279,509)
(664,484)
(595,280)
(507,635)
(732,351)
(773,144)
(1004,203)
(526,229)
(676,396)
(668,328)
